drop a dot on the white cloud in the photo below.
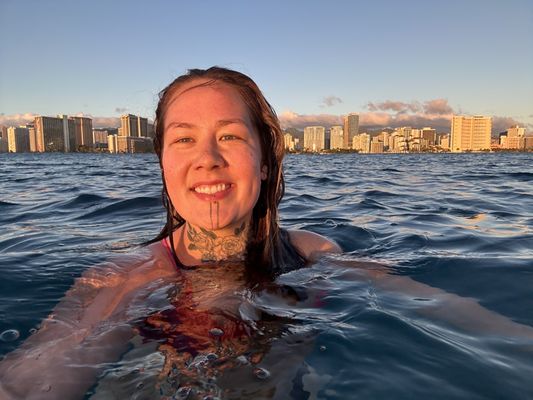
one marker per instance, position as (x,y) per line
(17,119)
(23,119)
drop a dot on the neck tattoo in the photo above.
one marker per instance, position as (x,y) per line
(213,247)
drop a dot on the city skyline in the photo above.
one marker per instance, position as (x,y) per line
(409,64)
(65,133)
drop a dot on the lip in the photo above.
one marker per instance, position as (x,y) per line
(210,185)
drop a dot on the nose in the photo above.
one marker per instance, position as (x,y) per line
(209,155)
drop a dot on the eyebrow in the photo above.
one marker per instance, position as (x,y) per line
(220,124)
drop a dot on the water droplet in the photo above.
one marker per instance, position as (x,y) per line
(211,357)
(32,331)
(322,348)
(261,373)
(242,360)
(183,392)
(140,386)
(10,335)
(216,332)
(47,388)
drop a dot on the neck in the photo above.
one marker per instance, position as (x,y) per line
(215,245)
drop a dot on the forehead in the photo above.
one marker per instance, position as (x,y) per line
(201,98)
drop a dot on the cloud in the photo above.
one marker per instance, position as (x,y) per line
(330,101)
(106,122)
(437,106)
(23,119)
(17,119)
(397,106)
(435,113)
(290,119)
(500,124)
(120,110)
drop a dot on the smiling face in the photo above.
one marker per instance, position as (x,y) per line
(211,156)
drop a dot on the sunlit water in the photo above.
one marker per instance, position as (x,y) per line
(459,223)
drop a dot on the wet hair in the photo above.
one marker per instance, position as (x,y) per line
(266,249)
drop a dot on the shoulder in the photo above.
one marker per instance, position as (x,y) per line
(312,245)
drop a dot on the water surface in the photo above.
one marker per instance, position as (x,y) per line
(460,223)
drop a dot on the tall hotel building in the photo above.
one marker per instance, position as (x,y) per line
(49,134)
(351,128)
(83,128)
(336,137)
(18,139)
(314,138)
(3,139)
(133,125)
(470,133)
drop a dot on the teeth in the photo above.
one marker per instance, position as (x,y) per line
(211,189)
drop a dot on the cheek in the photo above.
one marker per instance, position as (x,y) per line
(172,173)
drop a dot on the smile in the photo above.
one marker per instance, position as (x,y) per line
(212,189)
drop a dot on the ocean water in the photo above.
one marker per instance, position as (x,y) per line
(432,298)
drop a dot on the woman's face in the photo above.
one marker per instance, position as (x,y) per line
(211,156)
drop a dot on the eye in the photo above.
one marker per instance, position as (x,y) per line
(183,140)
(229,136)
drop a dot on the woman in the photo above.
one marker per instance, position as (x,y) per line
(220,149)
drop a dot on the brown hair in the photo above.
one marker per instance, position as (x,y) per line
(265,248)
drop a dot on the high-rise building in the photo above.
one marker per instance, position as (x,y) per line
(528,143)
(128,125)
(32,137)
(18,139)
(429,137)
(69,132)
(151,130)
(134,126)
(376,145)
(314,138)
(3,139)
(470,133)
(3,132)
(361,143)
(83,128)
(49,134)
(100,138)
(351,128)
(129,144)
(336,137)
(3,145)
(384,136)
(289,141)
(444,141)
(513,138)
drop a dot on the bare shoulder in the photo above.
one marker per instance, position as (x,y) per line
(312,245)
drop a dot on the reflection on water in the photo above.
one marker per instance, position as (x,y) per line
(459,224)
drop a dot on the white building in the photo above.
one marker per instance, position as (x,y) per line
(470,133)
(336,137)
(361,143)
(314,138)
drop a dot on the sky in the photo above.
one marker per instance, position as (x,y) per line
(396,63)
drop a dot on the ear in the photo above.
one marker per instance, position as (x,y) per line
(264,172)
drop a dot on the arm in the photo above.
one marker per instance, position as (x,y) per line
(59,360)
(462,312)
(312,245)
(87,329)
